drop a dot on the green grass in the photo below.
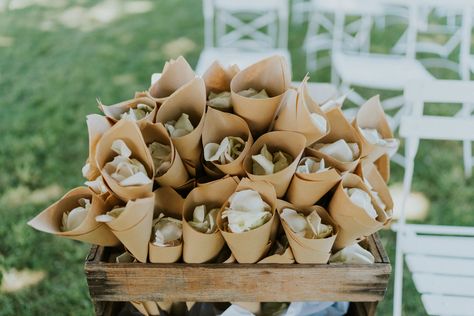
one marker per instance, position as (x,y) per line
(49,81)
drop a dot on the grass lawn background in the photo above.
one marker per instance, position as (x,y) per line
(50,76)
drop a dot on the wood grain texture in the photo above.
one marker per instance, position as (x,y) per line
(238,282)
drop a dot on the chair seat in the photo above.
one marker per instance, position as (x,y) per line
(241,58)
(378,71)
(442,270)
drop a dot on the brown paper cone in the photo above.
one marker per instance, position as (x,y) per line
(175,74)
(271,74)
(354,222)
(251,246)
(289,142)
(219,125)
(133,226)
(368,172)
(176,175)
(130,134)
(113,111)
(97,125)
(307,189)
(211,171)
(284,258)
(90,231)
(383,166)
(170,203)
(295,114)
(189,99)
(147,308)
(217,78)
(341,129)
(308,250)
(252,307)
(200,247)
(371,115)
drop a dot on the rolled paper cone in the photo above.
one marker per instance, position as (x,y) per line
(129,132)
(219,125)
(252,245)
(166,306)
(308,250)
(341,129)
(90,231)
(295,114)
(189,99)
(200,247)
(175,74)
(283,258)
(307,189)
(211,171)
(271,74)
(383,166)
(207,181)
(113,112)
(371,115)
(133,226)
(170,203)
(217,78)
(253,307)
(159,254)
(97,125)
(354,222)
(291,143)
(368,171)
(147,308)
(176,175)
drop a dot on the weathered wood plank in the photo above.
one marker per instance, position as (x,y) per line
(238,282)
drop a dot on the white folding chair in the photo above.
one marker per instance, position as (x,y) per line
(322,26)
(243,32)
(440,258)
(450,21)
(379,71)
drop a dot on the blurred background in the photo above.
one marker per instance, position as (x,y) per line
(58,56)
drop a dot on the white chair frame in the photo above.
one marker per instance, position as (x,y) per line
(412,239)
(229,36)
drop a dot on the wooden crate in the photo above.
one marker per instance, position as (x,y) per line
(112,282)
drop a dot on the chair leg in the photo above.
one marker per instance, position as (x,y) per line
(467,145)
(410,153)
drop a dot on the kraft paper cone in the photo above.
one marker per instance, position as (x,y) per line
(291,143)
(308,250)
(341,129)
(189,99)
(368,172)
(129,132)
(90,231)
(271,74)
(251,246)
(307,189)
(114,111)
(176,175)
(383,166)
(354,222)
(295,114)
(219,125)
(284,258)
(253,307)
(170,203)
(133,226)
(217,78)
(175,74)
(206,181)
(371,115)
(200,247)
(211,171)
(147,308)
(97,125)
